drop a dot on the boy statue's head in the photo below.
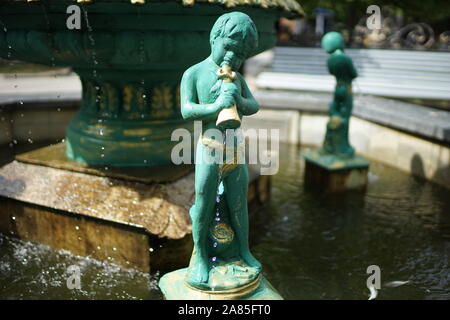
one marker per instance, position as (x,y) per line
(332,41)
(233,39)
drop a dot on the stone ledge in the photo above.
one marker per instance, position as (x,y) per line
(162,209)
(418,120)
(121,220)
(40,91)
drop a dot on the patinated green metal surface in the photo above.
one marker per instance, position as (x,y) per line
(221,260)
(336,152)
(341,66)
(130,58)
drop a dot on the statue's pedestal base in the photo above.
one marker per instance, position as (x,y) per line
(335,174)
(174,287)
(136,217)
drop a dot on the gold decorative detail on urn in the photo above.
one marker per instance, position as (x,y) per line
(162,101)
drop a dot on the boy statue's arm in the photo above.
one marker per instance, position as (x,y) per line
(191,109)
(247,104)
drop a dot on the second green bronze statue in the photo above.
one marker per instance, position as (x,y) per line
(336,167)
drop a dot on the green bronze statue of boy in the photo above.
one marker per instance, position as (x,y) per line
(213,93)
(335,167)
(341,66)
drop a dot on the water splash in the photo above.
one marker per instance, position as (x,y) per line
(91,40)
(49,29)
(35,271)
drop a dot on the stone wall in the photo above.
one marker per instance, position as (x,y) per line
(413,154)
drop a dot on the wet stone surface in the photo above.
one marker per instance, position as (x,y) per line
(54,156)
(162,209)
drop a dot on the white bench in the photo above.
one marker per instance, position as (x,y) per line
(388,73)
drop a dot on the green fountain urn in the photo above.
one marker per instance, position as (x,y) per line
(130,56)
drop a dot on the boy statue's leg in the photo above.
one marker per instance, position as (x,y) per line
(206,183)
(236,187)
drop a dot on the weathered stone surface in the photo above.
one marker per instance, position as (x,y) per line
(54,156)
(333,162)
(145,226)
(159,208)
(285,121)
(419,120)
(336,180)
(125,245)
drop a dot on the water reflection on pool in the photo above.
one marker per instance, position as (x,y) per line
(312,245)
(316,246)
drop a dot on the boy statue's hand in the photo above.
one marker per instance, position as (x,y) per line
(232,89)
(225,100)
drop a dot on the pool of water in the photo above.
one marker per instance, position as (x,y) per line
(312,245)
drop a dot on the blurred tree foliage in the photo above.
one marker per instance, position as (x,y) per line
(350,11)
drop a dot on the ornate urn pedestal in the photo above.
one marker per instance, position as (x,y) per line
(130,58)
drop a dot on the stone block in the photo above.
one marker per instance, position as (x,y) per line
(285,121)
(137,218)
(329,173)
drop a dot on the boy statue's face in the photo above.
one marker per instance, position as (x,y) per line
(228,50)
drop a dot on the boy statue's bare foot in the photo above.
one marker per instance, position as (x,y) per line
(198,274)
(250,260)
